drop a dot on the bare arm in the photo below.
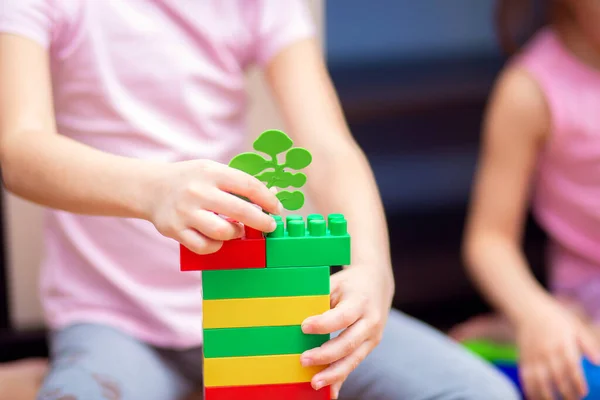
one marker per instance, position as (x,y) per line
(341,179)
(47,168)
(515,128)
(50,169)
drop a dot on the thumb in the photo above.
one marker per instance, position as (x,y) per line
(590,346)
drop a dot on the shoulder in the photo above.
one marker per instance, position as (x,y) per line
(277,24)
(518,106)
(38,20)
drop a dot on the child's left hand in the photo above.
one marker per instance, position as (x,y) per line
(361,302)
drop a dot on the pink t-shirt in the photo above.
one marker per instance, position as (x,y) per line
(566,198)
(149,79)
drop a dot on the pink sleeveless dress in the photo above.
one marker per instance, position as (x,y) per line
(566,196)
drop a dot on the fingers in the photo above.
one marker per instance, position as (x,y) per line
(242,184)
(335,390)
(338,371)
(573,373)
(566,377)
(536,382)
(345,314)
(590,347)
(215,227)
(339,347)
(198,243)
(335,291)
(240,210)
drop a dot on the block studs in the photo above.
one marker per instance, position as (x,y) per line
(279,231)
(296,228)
(338,227)
(317,227)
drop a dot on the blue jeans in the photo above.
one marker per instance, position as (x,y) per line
(413,362)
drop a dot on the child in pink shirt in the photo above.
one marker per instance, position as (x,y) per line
(541,146)
(119,117)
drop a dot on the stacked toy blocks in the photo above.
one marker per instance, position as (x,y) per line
(257,290)
(252,315)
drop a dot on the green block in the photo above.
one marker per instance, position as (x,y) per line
(259,341)
(493,352)
(265,282)
(316,242)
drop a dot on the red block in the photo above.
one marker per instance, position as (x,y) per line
(247,252)
(292,391)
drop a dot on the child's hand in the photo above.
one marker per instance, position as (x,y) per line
(551,344)
(360,302)
(187,195)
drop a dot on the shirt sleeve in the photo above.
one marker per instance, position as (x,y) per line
(281,23)
(32,19)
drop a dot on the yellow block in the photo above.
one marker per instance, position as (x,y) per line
(264,311)
(260,370)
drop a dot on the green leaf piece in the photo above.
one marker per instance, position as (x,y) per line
(297,180)
(267,177)
(250,163)
(283,179)
(273,142)
(297,158)
(291,200)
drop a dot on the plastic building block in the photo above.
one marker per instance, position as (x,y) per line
(511,371)
(591,372)
(264,311)
(316,242)
(259,341)
(492,351)
(504,356)
(288,391)
(275,144)
(265,282)
(261,370)
(592,376)
(246,252)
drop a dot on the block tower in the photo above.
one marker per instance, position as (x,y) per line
(258,289)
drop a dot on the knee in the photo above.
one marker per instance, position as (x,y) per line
(78,384)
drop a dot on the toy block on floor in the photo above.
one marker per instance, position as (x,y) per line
(493,352)
(316,242)
(265,282)
(505,358)
(289,391)
(245,252)
(263,311)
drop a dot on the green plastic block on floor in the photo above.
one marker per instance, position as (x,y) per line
(259,341)
(265,282)
(493,352)
(311,243)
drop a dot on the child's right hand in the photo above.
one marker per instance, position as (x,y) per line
(551,344)
(186,195)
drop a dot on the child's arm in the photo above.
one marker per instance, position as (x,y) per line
(550,338)
(340,180)
(45,167)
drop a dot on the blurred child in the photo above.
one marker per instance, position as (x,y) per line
(541,147)
(119,117)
